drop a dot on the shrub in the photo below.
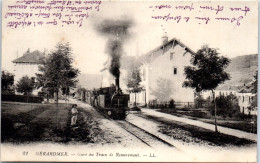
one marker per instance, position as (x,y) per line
(22,98)
(152,104)
(25,85)
(172,104)
(226,106)
(162,104)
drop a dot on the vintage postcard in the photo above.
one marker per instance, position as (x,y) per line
(129,81)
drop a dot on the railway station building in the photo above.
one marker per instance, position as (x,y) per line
(162,73)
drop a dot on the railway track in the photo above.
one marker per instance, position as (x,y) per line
(144,136)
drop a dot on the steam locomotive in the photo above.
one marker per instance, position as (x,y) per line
(109,100)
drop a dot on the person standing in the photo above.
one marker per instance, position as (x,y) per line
(74,113)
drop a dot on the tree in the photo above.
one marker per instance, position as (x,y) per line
(253,104)
(133,81)
(80,90)
(227,105)
(7,79)
(207,72)
(25,85)
(57,70)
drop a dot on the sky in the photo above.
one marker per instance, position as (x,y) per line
(145,33)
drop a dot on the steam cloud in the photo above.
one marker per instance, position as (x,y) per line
(117,32)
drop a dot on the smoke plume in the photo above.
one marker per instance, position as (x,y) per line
(117,31)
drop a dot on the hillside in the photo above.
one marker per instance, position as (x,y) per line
(242,70)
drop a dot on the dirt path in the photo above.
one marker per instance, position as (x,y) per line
(224,130)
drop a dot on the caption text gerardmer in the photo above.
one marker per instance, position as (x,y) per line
(97,154)
(27,13)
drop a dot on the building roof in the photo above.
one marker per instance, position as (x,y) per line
(163,48)
(126,61)
(33,57)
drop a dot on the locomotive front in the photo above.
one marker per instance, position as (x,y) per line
(111,101)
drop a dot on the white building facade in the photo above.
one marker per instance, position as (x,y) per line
(162,73)
(244,101)
(27,65)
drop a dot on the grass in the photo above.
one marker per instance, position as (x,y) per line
(234,123)
(87,130)
(23,123)
(193,134)
(239,125)
(17,108)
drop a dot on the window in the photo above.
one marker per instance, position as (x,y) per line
(243,99)
(171,56)
(174,70)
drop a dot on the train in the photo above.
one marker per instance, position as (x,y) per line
(109,100)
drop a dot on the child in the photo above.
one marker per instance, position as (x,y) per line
(74,113)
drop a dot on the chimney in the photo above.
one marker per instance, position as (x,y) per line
(164,38)
(117,84)
(28,51)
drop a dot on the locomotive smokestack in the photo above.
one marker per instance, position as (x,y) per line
(117,84)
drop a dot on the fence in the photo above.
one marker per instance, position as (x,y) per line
(185,104)
(203,104)
(172,104)
(161,104)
